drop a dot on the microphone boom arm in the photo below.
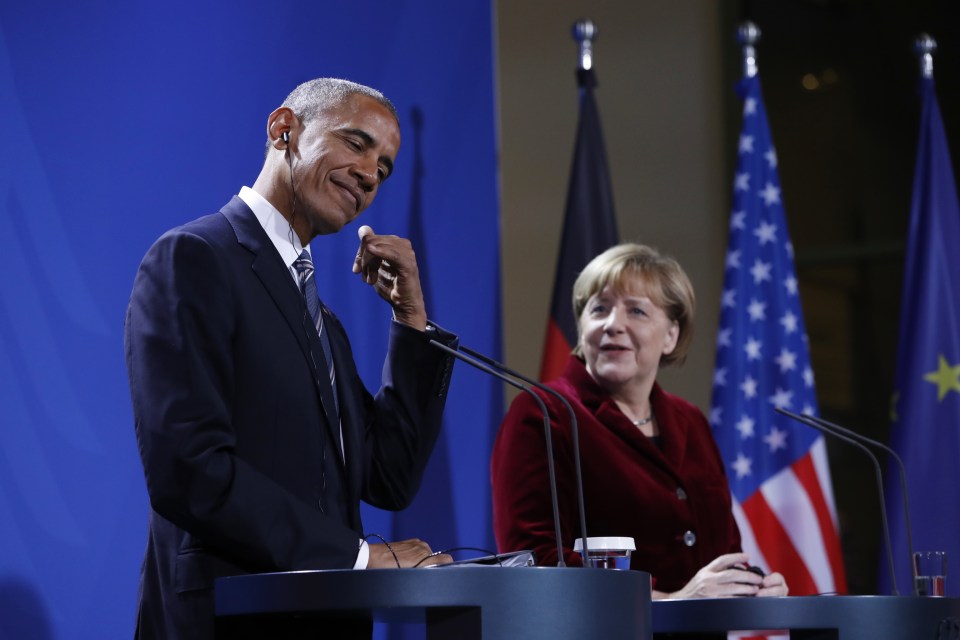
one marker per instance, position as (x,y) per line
(574,432)
(810,422)
(546,429)
(903,475)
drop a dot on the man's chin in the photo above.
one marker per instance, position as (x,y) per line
(328,224)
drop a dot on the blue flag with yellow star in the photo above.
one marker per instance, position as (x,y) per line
(925,427)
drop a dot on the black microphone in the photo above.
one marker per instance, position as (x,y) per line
(903,475)
(810,422)
(546,429)
(574,432)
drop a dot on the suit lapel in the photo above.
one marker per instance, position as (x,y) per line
(276,279)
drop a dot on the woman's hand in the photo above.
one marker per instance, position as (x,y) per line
(726,577)
(773,585)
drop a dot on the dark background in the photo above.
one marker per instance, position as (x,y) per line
(846,147)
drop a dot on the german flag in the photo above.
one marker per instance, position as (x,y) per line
(589,227)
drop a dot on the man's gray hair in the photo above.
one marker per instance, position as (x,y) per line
(312,98)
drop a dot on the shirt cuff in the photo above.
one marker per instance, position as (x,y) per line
(363,558)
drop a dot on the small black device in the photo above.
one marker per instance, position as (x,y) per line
(752,569)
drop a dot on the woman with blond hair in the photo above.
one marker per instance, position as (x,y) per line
(651,469)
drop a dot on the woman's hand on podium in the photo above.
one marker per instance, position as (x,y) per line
(724,577)
(773,584)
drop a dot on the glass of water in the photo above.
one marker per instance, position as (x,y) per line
(929,572)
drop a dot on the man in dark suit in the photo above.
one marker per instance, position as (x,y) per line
(256,451)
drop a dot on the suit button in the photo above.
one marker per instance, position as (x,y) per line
(689,538)
(681,494)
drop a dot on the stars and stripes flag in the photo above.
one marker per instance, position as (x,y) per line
(925,428)
(783,497)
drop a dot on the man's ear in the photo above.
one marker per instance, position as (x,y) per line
(281,121)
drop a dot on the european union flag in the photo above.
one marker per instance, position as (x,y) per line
(925,427)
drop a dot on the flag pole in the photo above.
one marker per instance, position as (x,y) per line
(748,35)
(925,46)
(589,227)
(584,31)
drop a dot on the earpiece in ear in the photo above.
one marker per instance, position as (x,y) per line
(286,137)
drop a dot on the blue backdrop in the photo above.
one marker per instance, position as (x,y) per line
(126,118)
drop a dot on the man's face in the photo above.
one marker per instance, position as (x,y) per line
(344,156)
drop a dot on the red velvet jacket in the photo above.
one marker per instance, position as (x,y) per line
(674,502)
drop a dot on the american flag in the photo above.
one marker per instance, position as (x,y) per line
(783,498)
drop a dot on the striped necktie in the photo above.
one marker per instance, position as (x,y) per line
(304,267)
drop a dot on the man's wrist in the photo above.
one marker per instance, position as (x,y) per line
(418,321)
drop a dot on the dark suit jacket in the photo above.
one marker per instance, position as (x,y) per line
(237,450)
(631,487)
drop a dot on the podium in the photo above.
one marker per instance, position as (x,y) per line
(455,603)
(813,618)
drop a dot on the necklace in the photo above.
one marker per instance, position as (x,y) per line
(640,423)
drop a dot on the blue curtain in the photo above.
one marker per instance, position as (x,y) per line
(123,119)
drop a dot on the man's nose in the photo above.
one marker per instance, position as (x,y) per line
(366,171)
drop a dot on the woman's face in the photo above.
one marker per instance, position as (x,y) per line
(623,334)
